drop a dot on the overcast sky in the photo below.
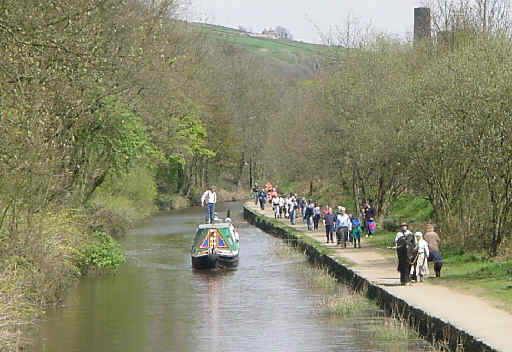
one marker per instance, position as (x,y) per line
(301,16)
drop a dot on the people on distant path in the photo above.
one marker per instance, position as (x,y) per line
(433,240)
(309,213)
(282,203)
(372,227)
(325,210)
(288,205)
(255,191)
(343,226)
(316,217)
(421,265)
(298,199)
(405,251)
(275,205)
(369,218)
(272,195)
(293,210)
(329,219)
(262,197)
(357,232)
(208,199)
(303,206)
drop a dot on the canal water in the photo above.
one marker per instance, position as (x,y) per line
(158,303)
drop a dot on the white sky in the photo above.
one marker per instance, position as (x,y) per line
(301,16)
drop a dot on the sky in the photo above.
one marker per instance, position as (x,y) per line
(307,18)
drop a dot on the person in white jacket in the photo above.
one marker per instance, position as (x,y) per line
(422,257)
(209,199)
(343,226)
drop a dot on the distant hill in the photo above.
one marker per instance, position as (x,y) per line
(290,52)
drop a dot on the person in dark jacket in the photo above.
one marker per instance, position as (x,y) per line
(309,213)
(369,216)
(262,197)
(329,219)
(405,252)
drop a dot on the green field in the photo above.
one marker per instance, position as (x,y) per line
(287,51)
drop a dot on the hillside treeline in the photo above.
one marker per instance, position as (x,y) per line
(107,105)
(432,120)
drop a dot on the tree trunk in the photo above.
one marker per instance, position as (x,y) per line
(241,166)
(355,192)
(250,173)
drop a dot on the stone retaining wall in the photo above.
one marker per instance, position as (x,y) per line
(440,333)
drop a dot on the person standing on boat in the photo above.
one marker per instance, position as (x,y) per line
(209,199)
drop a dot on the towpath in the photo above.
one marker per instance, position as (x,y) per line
(466,312)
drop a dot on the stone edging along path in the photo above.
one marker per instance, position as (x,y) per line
(442,316)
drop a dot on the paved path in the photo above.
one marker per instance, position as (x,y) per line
(466,312)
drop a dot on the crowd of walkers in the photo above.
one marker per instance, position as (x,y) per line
(414,251)
(347,228)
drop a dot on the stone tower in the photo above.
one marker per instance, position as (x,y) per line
(422,24)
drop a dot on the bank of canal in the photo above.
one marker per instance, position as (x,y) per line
(436,313)
(158,303)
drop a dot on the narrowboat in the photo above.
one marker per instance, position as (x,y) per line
(215,246)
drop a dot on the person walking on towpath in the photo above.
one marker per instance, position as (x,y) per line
(421,267)
(329,219)
(282,203)
(405,253)
(357,232)
(404,231)
(343,227)
(303,205)
(255,193)
(309,213)
(316,217)
(433,241)
(369,218)
(275,204)
(293,210)
(262,197)
(209,198)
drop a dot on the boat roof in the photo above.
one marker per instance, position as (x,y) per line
(220,225)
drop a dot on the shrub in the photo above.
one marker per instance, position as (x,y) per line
(102,253)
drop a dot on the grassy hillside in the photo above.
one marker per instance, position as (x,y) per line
(286,51)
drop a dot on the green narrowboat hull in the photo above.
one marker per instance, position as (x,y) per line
(215,246)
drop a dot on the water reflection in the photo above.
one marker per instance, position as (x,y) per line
(158,303)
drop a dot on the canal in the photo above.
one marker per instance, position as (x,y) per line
(156,302)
